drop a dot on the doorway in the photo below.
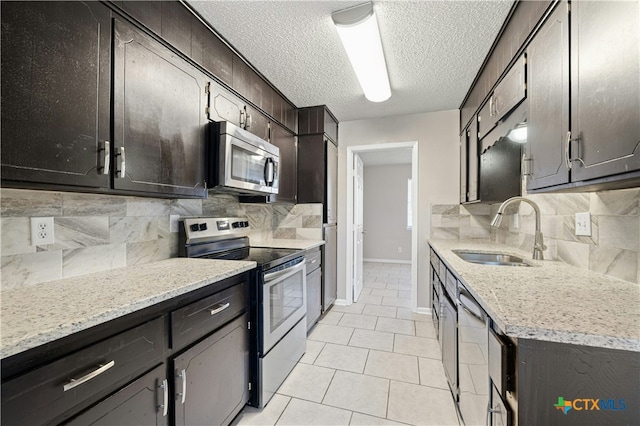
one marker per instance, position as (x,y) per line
(379,154)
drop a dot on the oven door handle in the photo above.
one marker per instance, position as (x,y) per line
(271,276)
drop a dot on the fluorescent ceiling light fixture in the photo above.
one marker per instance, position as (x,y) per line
(358,30)
(519,133)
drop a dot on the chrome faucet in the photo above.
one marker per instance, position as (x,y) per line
(538,244)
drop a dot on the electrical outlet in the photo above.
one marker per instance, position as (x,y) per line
(583,224)
(42,231)
(399,249)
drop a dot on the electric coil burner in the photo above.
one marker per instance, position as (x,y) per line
(278,296)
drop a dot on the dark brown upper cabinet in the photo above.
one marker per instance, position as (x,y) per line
(605,89)
(507,95)
(584,121)
(469,163)
(288,172)
(56,62)
(548,99)
(159,117)
(318,119)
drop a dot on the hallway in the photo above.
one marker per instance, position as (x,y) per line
(372,363)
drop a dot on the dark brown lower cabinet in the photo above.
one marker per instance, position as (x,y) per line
(141,403)
(211,378)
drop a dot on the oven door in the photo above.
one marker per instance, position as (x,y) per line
(284,302)
(247,167)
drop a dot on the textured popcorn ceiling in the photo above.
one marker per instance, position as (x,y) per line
(433,49)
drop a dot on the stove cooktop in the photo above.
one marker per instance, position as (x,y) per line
(266,258)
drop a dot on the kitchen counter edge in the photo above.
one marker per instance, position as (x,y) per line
(35,315)
(569,309)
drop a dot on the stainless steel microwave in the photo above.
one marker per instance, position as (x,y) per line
(240,161)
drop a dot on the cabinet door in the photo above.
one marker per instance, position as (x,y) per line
(224,106)
(331,197)
(311,169)
(257,123)
(473,159)
(548,98)
(140,403)
(486,118)
(605,88)
(56,63)
(212,377)
(159,118)
(314,297)
(288,166)
(464,138)
(511,90)
(329,267)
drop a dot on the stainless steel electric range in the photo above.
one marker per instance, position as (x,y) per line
(278,296)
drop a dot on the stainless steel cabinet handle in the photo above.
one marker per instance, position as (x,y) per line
(165,397)
(566,151)
(95,373)
(314,261)
(221,307)
(183,394)
(491,106)
(123,164)
(249,122)
(107,158)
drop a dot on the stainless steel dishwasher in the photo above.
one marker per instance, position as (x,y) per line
(473,365)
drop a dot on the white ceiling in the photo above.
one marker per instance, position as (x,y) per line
(433,49)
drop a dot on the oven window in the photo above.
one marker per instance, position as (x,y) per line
(247,166)
(285,298)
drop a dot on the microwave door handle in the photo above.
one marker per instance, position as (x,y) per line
(268,171)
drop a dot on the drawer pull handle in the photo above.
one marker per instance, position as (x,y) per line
(165,397)
(219,308)
(77,382)
(314,261)
(183,394)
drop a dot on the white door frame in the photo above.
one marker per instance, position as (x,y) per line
(351,150)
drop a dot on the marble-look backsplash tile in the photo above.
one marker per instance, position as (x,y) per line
(612,249)
(100,232)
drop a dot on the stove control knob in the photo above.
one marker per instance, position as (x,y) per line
(203,226)
(246,224)
(235,224)
(194,227)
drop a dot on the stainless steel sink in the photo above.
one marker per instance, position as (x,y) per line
(499,259)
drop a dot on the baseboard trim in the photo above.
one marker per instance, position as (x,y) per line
(403,262)
(341,302)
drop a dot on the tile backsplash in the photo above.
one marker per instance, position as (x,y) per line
(612,249)
(100,232)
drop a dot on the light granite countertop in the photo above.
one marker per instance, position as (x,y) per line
(35,315)
(551,300)
(288,244)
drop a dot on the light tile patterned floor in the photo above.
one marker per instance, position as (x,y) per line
(372,363)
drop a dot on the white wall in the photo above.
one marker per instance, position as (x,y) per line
(438,173)
(385,212)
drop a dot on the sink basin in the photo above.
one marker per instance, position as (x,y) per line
(499,259)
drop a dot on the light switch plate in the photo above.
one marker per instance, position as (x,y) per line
(583,224)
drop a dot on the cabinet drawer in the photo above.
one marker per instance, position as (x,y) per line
(201,317)
(451,284)
(314,260)
(60,389)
